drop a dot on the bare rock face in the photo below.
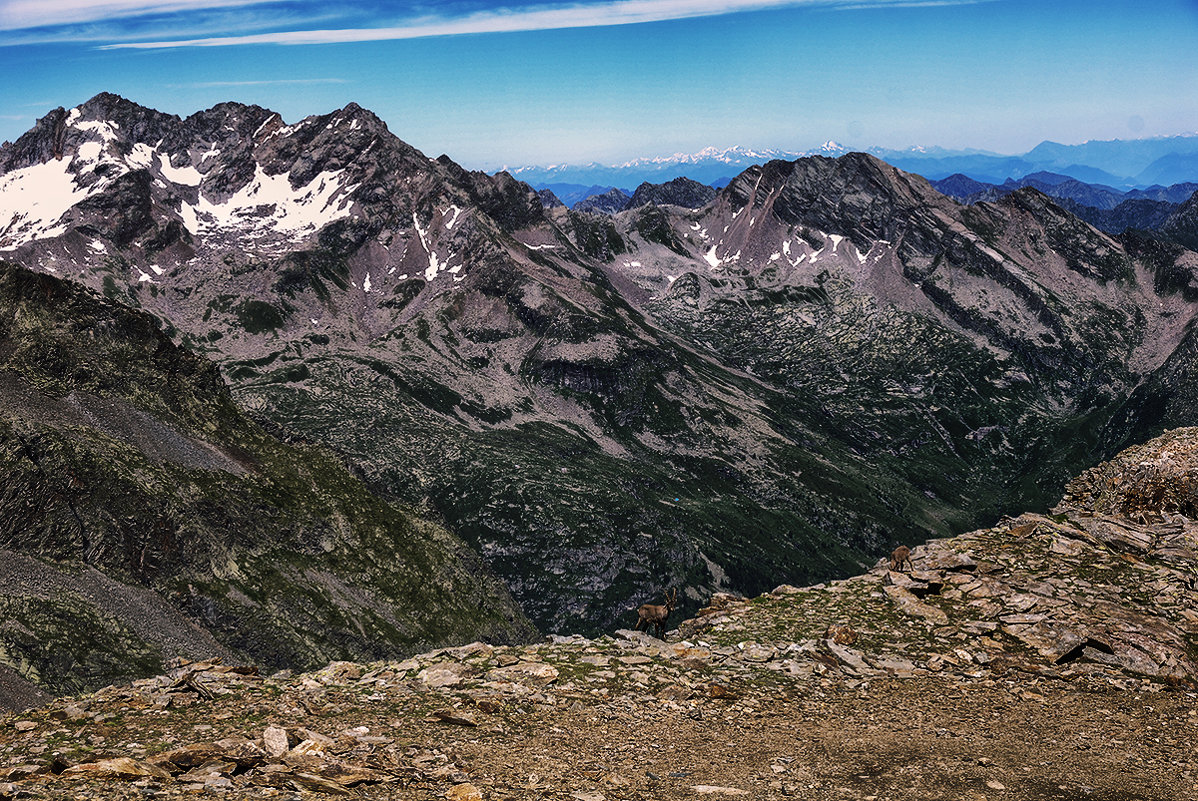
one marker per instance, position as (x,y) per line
(1152,483)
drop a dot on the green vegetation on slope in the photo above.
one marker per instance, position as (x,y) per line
(124,453)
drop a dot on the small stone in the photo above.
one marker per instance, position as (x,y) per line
(464,792)
(240,750)
(446,674)
(589,796)
(841,634)
(539,672)
(18,772)
(598,660)
(307,748)
(489,705)
(300,734)
(455,717)
(188,756)
(310,781)
(274,741)
(994,784)
(24,725)
(349,775)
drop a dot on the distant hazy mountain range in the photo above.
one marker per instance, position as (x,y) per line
(1104,207)
(1125,164)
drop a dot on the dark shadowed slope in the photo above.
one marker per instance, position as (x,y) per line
(143,516)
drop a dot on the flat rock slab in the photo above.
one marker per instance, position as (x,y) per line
(118,768)
(911,605)
(710,789)
(525,671)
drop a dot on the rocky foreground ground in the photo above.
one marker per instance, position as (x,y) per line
(1049,657)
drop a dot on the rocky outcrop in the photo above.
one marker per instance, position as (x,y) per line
(1102,587)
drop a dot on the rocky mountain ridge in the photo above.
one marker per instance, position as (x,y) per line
(1106,208)
(605,406)
(609,202)
(495,360)
(1045,657)
(859,246)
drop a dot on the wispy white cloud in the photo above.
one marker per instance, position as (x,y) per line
(234,84)
(19,14)
(141,20)
(578,15)
(866,4)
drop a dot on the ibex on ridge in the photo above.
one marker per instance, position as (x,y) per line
(656,614)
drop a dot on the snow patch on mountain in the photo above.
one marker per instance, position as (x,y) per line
(268,204)
(34,199)
(184,176)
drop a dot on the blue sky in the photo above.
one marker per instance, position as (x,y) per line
(532,81)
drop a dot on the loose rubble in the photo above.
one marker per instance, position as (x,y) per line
(1051,656)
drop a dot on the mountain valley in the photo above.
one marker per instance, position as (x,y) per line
(605,405)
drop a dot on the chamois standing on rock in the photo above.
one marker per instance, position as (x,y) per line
(901,554)
(656,614)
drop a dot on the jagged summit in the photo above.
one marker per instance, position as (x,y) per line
(187,186)
(679,192)
(610,202)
